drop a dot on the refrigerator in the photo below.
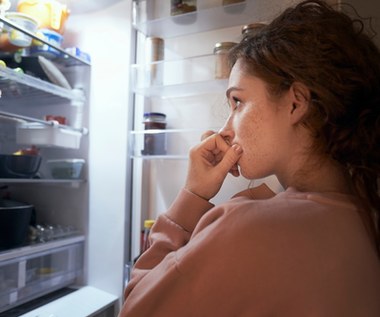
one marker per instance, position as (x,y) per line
(121,184)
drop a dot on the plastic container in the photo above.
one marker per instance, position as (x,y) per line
(154,141)
(43,135)
(50,14)
(39,48)
(25,21)
(66,168)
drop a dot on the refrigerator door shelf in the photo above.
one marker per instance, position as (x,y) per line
(152,17)
(194,76)
(47,136)
(164,144)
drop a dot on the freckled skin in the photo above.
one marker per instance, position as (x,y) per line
(258,124)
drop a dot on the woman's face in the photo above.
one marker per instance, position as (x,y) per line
(258,123)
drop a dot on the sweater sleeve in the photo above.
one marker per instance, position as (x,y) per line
(170,232)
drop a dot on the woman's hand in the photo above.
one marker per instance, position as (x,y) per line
(210,162)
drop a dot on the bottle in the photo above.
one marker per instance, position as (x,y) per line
(145,240)
(154,142)
(222,68)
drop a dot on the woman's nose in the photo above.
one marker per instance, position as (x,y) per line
(226,132)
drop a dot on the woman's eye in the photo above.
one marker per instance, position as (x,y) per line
(236,102)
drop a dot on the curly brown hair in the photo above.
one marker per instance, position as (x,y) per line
(331,54)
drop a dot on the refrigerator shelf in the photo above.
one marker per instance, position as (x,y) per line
(71,182)
(165,144)
(160,157)
(194,76)
(17,87)
(39,247)
(66,57)
(152,18)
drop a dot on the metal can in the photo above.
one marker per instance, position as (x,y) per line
(154,141)
(222,67)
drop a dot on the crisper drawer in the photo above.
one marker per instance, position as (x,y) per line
(27,277)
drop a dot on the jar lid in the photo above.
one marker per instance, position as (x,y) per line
(148,223)
(154,114)
(157,40)
(253,26)
(223,45)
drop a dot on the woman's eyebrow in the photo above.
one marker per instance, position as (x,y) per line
(229,90)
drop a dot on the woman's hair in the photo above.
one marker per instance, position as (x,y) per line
(330,53)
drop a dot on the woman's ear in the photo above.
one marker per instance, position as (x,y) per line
(300,100)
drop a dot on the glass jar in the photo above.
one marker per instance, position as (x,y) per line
(222,67)
(154,141)
(227,2)
(178,7)
(155,52)
(252,29)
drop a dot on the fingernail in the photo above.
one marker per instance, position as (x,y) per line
(237,148)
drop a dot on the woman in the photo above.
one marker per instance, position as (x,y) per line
(304,96)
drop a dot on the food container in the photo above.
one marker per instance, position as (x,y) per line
(222,68)
(154,140)
(11,39)
(15,218)
(178,7)
(66,168)
(39,48)
(44,135)
(19,166)
(253,28)
(50,14)
(154,53)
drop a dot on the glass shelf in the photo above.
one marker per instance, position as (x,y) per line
(17,87)
(195,75)
(67,58)
(39,247)
(152,17)
(160,157)
(72,182)
(163,144)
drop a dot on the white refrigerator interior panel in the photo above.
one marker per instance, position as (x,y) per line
(106,35)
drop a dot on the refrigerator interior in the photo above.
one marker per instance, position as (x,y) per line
(120,188)
(95,205)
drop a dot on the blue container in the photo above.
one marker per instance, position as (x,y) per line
(50,36)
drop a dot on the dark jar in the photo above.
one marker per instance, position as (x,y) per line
(154,141)
(178,7)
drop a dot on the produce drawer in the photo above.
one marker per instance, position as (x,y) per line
(27,277)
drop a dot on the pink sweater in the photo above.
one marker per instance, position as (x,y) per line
(296,254)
